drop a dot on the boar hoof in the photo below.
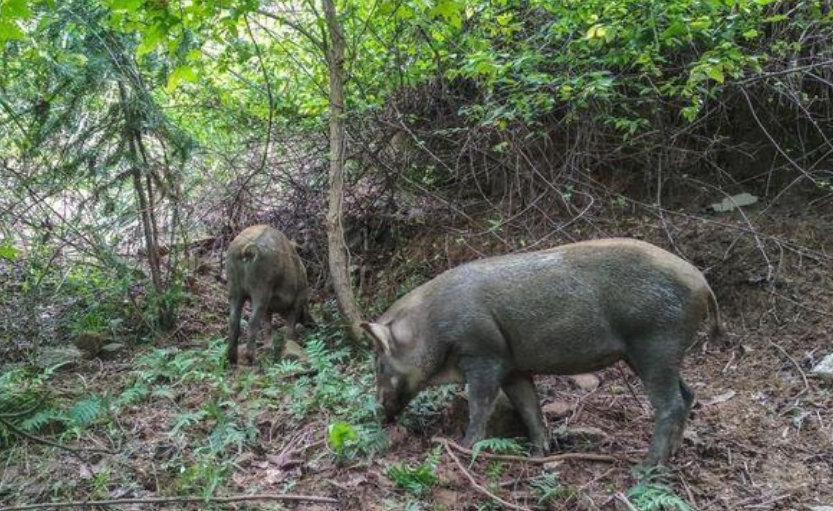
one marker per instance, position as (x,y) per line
(540,450)
(245,357)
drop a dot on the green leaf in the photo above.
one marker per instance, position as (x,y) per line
(597,31)
(15,9)
(179,74)
(716,74)
(8,252)
(450,10)
(125,5)
(339,434)
(151,40)
(9,31)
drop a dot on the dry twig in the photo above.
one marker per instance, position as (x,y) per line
(76,450)
(797,366)
(477,486)
(179,500)
(525,459)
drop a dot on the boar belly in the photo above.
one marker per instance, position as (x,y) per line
(567,354)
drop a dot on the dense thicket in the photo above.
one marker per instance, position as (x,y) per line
(136,133)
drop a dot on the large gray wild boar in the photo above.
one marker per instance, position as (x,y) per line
(496,322)
(264,267)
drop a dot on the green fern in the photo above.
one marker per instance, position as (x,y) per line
(187,419)
(416,479)
(498,446)
(86,411)
(40,420)
(547,488)
(654,493)
(132,395)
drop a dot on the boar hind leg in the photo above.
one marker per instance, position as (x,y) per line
(521,392)
(235,313)
(662,384)
(688,400)
(484,378)
(259,315)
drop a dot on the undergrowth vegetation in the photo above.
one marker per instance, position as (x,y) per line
(211,414)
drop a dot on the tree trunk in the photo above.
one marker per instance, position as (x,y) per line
(133,141)
(338,258)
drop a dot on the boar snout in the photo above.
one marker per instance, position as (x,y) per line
(388,409)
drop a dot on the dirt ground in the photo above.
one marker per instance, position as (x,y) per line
(760,437)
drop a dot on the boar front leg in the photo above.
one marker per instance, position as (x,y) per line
(521,392)
(483,377)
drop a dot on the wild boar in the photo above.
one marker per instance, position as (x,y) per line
(264,267)
(496,322)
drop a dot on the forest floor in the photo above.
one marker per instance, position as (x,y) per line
(761,434)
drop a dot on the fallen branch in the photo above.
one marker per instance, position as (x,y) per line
(477,486)
(17,431)
(624,500)
(525,459)
(179,500)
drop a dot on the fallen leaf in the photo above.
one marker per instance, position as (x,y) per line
(586,382)
(558,408)
(720,398)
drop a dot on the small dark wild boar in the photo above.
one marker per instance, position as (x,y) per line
(495,323)
(263,267)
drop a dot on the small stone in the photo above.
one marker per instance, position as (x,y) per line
(734,202)
(558,409)
(293,351)
(586,382)
(821,508)
(109,351)
(54,356)
(824,369)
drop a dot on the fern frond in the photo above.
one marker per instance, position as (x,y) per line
(498,446)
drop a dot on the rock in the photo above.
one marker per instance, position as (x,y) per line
(586,382)
(824,369)
(53,356)
(90,343)
(558,409)
(292,351)
(821,508)
(110,351)
(734,202)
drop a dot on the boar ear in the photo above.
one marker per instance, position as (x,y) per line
(381,336)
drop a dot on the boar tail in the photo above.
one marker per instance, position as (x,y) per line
(250,252)
(714,315)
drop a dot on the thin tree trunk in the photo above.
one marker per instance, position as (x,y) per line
(131,134)
(338,261)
